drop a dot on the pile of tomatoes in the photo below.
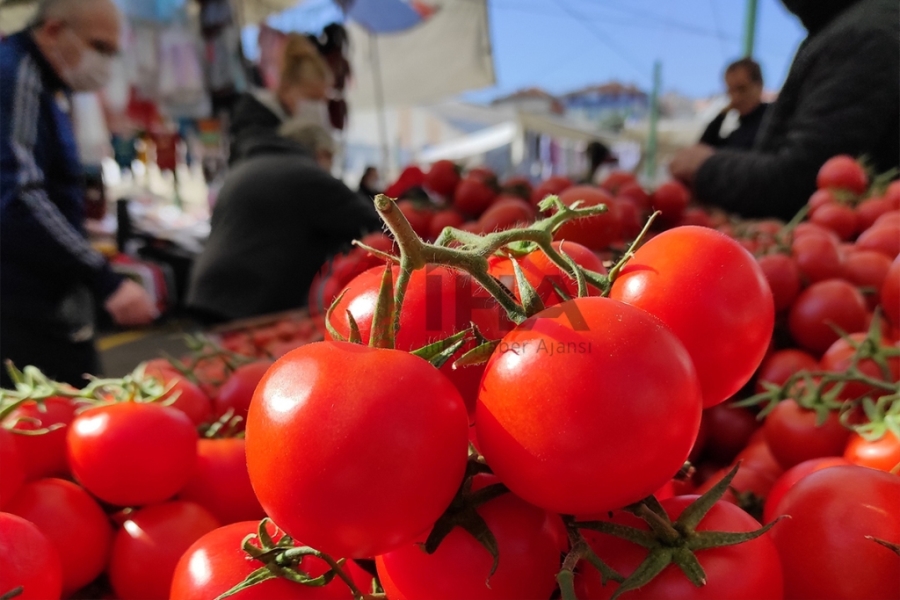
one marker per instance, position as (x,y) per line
(637,430)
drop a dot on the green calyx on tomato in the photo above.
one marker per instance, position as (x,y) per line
(667,542)
(282,558)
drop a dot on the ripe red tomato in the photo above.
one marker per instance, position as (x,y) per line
(237,391)
(839,218)
(29,560)
(529,559)
(13,471)
(506,212)
(147,548)
(892,194)
(832,301)
(884,238)
(43,455)
(743,571)
(630,221)
(882,454)
(445,218)
(780,365)
(695,216)
(220,482)
(728,430)
(550,186)
(635,192)
(793,435)
(408,434)
(748,480)
(189,398)
(842,172)
(71,520)
(519,186)
(817,257)
(671,198)
(617,180)
(713,295)
(597,232)
(216,562)
(869,210)
(783,275)
(758,456)
(867,269)
(890,294)
(419,218)
(132,453)
(554,425)
(473,196)
(838,357)
(442,178)
(821,198)
(823,547)
(791,477)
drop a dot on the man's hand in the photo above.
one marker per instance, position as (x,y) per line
(131,305)
(687,162)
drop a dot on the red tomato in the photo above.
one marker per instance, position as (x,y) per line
(832,301)
(695,216)
(551,186)
(635,192)
(671,198)
(758,456)
(617,180)
(891,218)
(237,391)
(823,547)
(881,238)
(220,482)
(791,477)
(132,453)
(748,480)
(743,571)
(882,454)
(839,218)
(597,232)
(892,194)
(442,178)
(793,434)
(869,210)
(890,294)
(147,548)
(548,415)
(216,562)
(529,559)
(843,173)
(808,227)
(473,196)
(630,220)
(71,520)
(445,218)
(867,269)
(505,213)
(780,365)
(519,186)
(419,218)
(728,430)
(43,455)
(838,357)
(783,275)
(543,274)
(29,560)
(379,437)
(13,471)
(189,398)
(713,295)
(821,198)
(817,257)
(438,303)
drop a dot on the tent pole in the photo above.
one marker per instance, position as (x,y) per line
(379,105)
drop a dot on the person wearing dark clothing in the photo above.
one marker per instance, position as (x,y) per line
(369,183)
(841,96)
(744,81)
(50,276)
(278,218)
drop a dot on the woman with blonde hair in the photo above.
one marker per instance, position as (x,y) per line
(302,90)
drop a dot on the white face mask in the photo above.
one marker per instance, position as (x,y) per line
(91,73)
(313,111)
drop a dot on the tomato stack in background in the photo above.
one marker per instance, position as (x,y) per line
(647,439)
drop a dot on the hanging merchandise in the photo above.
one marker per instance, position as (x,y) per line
(271,49)
(91,132)
(181,88)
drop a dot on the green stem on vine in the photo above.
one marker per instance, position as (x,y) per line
(617,268)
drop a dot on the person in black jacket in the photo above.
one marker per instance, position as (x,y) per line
(278,217)
(744,81)
(841,96)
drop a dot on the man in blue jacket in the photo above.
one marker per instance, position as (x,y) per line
(50,276)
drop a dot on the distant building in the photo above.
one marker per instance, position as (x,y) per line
(532,100)
(608,105)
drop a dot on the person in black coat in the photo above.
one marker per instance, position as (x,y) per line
(278,217)
(744,81)
(841,96)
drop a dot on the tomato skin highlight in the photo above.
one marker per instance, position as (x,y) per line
(408,434)
(29,560)
(115,452)
(714,297)
(823,547)
(556,426)
(73,522)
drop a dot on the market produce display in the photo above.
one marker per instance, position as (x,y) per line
(557,391)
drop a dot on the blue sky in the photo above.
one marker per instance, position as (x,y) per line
(562,45)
